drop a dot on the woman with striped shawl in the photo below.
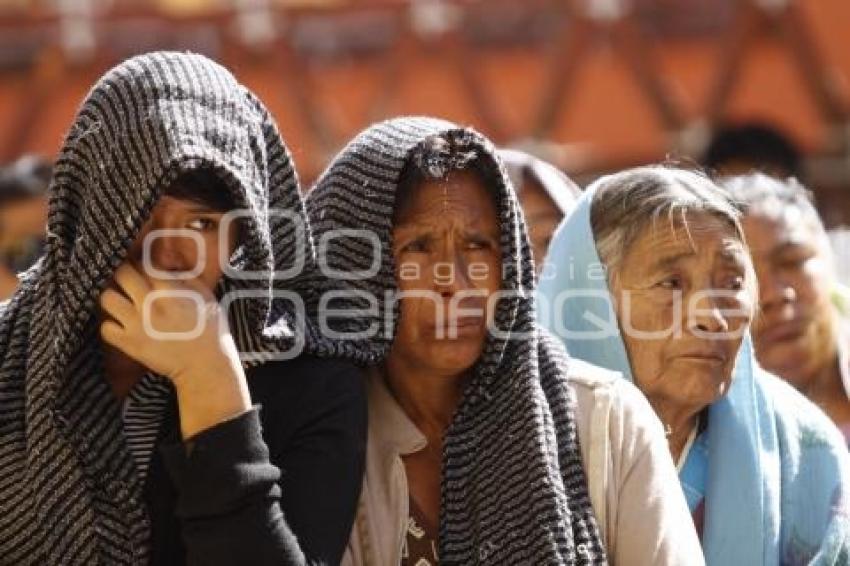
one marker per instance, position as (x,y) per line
(487,445)
(127,437)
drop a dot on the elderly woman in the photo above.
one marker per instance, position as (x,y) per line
(656,282)
(545,194)
(801,332)
(486,444)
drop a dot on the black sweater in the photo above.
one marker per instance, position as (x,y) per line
(277,485)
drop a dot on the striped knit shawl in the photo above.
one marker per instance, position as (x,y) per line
(513,486)
(69,493)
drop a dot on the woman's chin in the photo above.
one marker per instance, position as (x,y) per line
(708,385)
(787,361)
(453,355)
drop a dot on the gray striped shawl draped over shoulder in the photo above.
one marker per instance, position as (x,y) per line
(69,493)
(513,486)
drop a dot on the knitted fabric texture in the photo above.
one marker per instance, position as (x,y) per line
(69,491)
(513,487)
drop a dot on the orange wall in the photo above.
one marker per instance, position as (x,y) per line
(606,113)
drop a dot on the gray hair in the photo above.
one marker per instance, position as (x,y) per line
(757,193)
(628,202)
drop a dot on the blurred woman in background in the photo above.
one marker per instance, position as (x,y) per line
(545,194)
(801,332)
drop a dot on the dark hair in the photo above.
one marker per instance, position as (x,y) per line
(767,148)
(203,186)
(27,177)
(436,157)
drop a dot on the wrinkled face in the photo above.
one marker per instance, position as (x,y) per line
(684,300)
(448,263)
(542,217)
(794,332)
(191,246)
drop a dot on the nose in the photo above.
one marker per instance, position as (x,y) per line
(167,254)
(707,314)
(774,291)
(450,275)
(166,250)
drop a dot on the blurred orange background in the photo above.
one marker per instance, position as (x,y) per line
(593,85)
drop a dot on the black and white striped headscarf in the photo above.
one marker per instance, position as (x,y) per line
(69,493)
(513,487)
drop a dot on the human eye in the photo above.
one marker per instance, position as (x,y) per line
(417,245)
(734,281)
(202,224)
(795,258)
(475,243)
(670,282)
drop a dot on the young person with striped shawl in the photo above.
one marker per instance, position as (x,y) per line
(119,445)
(487,445)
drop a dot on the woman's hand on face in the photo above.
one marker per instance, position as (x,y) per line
(172,327)
(177,328)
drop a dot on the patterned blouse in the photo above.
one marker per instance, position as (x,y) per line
(420,543)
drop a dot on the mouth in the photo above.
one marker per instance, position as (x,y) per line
(784,332)
(708,357)
(460,327)
(468,321)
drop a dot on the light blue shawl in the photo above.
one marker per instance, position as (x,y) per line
(778,473)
